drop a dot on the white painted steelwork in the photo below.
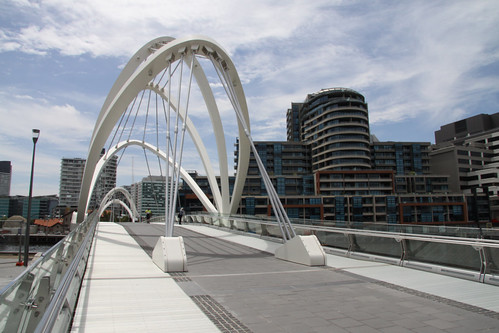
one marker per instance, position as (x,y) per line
(156,59)
(162,155)
(139,73)
(107,201)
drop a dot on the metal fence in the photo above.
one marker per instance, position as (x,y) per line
(465,252)
(43,298)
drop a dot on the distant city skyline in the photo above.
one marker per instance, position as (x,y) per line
(419,64)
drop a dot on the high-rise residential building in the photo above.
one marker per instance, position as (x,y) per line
(335,123)
(293,127)
(403,158)
(71,178)
(331,168)
(288,165)
(5,178)
(70,181)
(410,162)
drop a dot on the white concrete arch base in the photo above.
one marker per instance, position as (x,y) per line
(169,254)
(305,250)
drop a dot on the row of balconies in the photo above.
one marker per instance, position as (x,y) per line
(314,117)
(347,139)
(336,132)
(324,125)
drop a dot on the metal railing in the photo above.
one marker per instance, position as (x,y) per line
(43,298)
(464,252)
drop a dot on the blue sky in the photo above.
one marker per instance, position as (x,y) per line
(420,65)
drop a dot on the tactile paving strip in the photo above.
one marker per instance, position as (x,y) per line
(443,300)
(180,277)
(222,318)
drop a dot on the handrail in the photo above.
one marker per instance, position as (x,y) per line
(385,234)
(401,235)
(466,257)
(60,296)
(45,294)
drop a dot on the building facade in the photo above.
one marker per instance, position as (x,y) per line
(468,151)
(42,207)
(5,178)
(71,177)
(332,169)
(356,178)
(335,123)
(70,181)
(149,194)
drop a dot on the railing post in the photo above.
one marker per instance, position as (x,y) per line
(403,249)
(483,262)
(352,240)
(56,273)
(39,304)
(19,301)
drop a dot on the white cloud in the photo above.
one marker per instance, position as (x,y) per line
(420,60)
(60,125)
(111,28)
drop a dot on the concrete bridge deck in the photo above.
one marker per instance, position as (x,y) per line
(234,284)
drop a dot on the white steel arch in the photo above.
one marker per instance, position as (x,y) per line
(128,196)
(161,154)
(138,76)
(118,201)
(143,67)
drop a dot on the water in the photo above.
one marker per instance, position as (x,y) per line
(32,248)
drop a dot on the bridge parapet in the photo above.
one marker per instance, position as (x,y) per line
(455,251)
(43,298)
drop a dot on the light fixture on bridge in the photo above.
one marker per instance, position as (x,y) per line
(36,134)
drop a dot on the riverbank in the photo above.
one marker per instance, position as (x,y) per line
(8,269)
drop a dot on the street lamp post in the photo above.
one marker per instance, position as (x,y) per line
(36,134)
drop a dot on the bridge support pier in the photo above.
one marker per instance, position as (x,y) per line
(169,254)
(305,250)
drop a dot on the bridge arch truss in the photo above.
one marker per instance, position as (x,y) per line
(152,69)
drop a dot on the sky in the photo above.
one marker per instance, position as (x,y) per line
(419,64)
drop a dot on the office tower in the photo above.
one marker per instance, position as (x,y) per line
(457,131)
(149,193)
(468,151)
(42,207)
(5,177)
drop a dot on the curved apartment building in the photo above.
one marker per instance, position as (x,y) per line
(335,123)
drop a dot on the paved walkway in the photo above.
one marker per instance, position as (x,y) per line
(8,269)
(124,291)
(234,284)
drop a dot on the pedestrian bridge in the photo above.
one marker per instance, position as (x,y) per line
(235,284)
(340,277)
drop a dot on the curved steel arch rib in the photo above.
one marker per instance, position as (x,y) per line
(161,154)
(113,201)
(203,153)
(155,57)
(128,196)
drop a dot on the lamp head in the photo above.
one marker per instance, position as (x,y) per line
(36,134)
